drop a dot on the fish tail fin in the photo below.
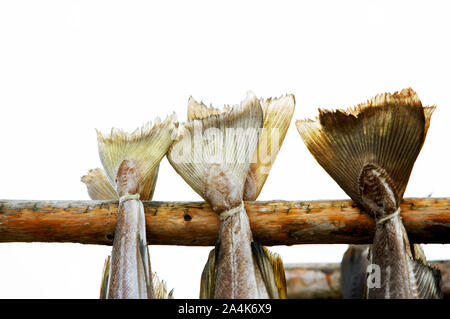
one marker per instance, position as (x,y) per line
(222,143)
(160,288)
(104,287)
(98,185)
(198,110)
(272,270)
(278,114)
(385,133)
(145,147)
(208,279)
(429,280)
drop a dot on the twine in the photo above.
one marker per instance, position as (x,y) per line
(126,197)
(388,217)
(231,212)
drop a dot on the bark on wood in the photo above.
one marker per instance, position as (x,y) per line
(195,224)
(323,281)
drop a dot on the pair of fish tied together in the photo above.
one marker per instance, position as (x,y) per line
(370,150)
(225,156)
(130,163)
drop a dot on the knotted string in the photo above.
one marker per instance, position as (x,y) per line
(388,217)
(126,197)
(231,212)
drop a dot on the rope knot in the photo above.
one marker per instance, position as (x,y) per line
(231,212)
(388,217)
(127,197)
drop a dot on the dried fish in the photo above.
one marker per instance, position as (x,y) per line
(370,150)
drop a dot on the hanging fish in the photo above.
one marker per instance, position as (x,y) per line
(213,156)
(159,286)
(353,272)
(99,188)
(370,150)
(131,164)
(277,114)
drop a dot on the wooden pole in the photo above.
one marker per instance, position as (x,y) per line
(427,220)
(323,281)
(313,281)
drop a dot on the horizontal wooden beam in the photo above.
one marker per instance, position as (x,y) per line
(323,281)
(427,220)
(313,281)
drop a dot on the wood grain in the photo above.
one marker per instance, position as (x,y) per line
(427,220)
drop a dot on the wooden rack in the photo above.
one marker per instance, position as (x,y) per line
(427,220)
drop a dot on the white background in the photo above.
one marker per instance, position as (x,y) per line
(68,67)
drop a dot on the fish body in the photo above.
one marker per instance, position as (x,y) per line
(130,163)
(370,150)
(130,273)
(216,168)
(354,271)
(239,267)
(238,276)
(128,278)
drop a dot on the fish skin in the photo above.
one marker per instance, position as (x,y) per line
(127,279)
(353,271)
(127,275)
(232,270)
(370,151)
(391,252)
(237,276)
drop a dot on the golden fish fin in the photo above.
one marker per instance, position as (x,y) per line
(272,271)
(280,276)
(429,280)
(152,184)
(418,253)
(160,288)
(208,279)
(104,287)
(198,110)
(388,131)
(98,185)
(146,146)
(227,140)
(428,111)
(277,118)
